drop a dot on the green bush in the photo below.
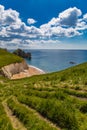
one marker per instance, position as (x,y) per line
(63,78)
(84,108)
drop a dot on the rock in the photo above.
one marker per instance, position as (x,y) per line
(14,68)
(72,62)
(22,54)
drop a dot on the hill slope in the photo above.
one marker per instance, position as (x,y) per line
(56,101)
(7,58)
(11,64)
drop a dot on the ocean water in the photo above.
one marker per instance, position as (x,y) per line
(56,60)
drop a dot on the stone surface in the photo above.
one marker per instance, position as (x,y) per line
(15,68)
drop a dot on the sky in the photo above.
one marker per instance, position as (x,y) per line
(43,24)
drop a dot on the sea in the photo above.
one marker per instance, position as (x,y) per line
(56,60)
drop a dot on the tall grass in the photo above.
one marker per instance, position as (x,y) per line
(29,117)
(5,123)
(56,111)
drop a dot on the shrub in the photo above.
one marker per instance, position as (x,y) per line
(84,108)
(77,88)
(63,78)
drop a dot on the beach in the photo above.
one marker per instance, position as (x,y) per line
(32,70)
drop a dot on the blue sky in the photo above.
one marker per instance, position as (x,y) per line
(49,24)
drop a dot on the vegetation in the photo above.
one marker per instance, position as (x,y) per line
(4,120)
(56,101)
(57,111)
(7,58)
(28,117)
(22,54)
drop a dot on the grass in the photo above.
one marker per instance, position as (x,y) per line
(5,123)
(55,110)
(7,58)
(60,98)
(28,117)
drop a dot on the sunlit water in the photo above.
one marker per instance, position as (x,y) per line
(56,60)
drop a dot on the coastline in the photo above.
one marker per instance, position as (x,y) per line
(32,70)
(40,70)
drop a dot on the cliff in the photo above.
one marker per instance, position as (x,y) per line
(14,68)
(22,54)
(7,58)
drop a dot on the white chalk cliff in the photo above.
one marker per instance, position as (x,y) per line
(15,68)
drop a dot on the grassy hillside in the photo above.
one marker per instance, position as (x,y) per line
(56,101)
(8,58)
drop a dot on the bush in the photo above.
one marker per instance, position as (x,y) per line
(77,88)
(84,108)
(63,78)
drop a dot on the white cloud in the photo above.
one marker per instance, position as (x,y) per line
(11,27)
(67,24)
(31,21)
(8,17)
(70,16)
(85,17)
(14,32)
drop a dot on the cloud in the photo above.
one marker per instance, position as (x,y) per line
(68,24)
(31,21)
(8,17)
(66,18)
(11,27)
(85,17)
(69,17)
(14,32)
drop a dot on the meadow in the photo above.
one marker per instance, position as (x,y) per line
(55,101)
(7,58)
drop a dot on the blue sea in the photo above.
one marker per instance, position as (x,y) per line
(56,60)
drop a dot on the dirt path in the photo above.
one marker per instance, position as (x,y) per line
(79,98)
(14,120)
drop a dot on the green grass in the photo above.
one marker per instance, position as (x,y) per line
(59,97)
(57,111)
(7,58)
(5,123)
(28,117)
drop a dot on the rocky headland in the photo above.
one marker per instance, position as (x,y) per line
(22,53)
(15,67)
